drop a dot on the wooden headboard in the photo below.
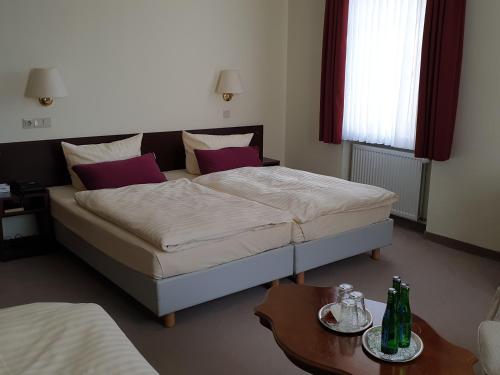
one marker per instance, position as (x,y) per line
(43,161)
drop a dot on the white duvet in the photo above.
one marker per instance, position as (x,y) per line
(177,215)
(65,338)
(305,195)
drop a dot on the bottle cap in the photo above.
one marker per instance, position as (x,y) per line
(392,291)
(405,285)
(396,278)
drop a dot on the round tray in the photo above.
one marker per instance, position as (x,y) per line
(371,342)
(336,327)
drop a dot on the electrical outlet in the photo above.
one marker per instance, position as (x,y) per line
(35,123)
(226,113)
(28,124)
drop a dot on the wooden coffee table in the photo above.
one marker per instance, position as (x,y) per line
(290,311)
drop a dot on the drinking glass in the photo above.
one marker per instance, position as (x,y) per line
(343,291)
(348,314)
(359,301)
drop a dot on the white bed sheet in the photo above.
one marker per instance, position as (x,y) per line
(141,256)
(178,215)
(321,205)
(176,174)
(330,225)
(323,226)
(305,195)
(65,338)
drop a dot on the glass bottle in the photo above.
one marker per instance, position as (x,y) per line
(396,284)
(390,327)
(404,316)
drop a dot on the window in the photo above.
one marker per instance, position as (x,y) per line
(384,41)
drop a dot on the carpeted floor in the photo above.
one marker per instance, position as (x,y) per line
(450,289)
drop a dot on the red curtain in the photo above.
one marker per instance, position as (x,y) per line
(439,78)
(333,71)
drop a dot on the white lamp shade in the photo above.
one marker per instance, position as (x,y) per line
(45,83)
(229,82)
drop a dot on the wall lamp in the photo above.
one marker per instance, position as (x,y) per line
(229,84)
(45,84)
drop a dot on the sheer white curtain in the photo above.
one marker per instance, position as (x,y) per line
(384,43)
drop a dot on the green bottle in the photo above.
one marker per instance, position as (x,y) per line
(390,326)
(396,284)
(404,317)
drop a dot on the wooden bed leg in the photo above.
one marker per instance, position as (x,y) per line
(300,278)
(169,320)
(376,254)
(275,283)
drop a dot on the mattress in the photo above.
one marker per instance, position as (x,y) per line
(65,338)
(143,257)
(330,225)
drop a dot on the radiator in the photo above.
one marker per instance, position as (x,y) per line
(393,170)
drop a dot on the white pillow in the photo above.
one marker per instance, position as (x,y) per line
(210,142)
(89,154)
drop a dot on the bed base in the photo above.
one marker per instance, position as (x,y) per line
(316,253)
(166,296)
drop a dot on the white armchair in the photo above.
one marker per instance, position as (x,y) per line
(489,339)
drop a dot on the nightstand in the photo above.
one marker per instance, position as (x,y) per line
(268,162)
(15,246)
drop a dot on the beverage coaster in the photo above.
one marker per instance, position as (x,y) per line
(326,318)
(372,340)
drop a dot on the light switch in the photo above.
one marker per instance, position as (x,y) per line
(34,123)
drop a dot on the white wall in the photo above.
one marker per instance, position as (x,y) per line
(148,65)
(303,149)
(464,200)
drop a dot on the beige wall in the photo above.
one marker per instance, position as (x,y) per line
(303,150)
(146,65)
(464,200)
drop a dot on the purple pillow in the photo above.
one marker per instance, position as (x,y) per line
(114,174)
(227,158)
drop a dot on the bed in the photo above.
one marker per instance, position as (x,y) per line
(134,267)
(65,338)
(170,279)
(334,218)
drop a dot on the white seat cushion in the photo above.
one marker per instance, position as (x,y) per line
(489,347)
(64,338)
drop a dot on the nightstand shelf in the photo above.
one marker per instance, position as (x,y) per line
(37,204)
(24,212)
(268,162)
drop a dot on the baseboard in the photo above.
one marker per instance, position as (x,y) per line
(408,224)
(463,246)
